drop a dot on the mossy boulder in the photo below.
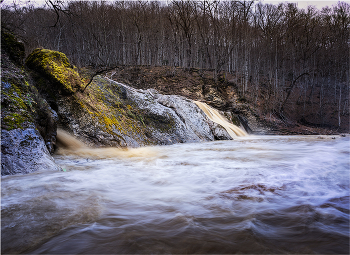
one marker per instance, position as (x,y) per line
(22,106)
(28,123)
(55,67)
(12,47)
(114,114)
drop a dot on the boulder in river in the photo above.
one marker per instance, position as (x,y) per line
(24,151)
(114,114)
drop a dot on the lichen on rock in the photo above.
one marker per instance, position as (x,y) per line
(15,105)
(28,124)
(56,67)
(110,111)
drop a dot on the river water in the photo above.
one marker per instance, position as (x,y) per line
(257,194)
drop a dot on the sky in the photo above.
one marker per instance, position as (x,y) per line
(301,4)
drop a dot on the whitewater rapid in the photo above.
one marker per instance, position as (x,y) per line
(267,194)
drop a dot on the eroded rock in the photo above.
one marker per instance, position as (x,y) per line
(24,151)
(123,116)
(28,123)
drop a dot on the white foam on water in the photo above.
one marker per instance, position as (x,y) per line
(172,199)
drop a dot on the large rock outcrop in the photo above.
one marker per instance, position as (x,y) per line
(106,113)
(109,113)
(114,114)
(28,124)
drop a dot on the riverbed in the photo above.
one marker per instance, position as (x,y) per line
(256,194)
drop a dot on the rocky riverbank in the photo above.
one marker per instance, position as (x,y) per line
(128,107)
(48,92)
(222,94)
(28,123)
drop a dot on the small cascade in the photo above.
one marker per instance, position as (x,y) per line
(216,117)
(67,141)
(69,145)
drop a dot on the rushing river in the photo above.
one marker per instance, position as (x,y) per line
(267,194)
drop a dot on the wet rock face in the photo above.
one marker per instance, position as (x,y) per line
(46,123)
(28,123)
(109,113)
(194,119)
(169,119)
(24,151)
(123,116)
(22,106)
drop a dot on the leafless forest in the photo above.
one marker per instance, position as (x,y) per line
(286,60)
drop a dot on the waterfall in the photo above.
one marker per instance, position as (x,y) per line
(216,117)
(69,145)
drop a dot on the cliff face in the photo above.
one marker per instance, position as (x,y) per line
(50,93)
(28,124)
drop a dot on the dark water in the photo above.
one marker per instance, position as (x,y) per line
(251,195)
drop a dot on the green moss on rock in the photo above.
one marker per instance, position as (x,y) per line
(106,106)
(56,67)
(13,121)
(16,105)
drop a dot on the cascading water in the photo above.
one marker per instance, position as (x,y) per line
(216,117)
(69,145)
(267,194)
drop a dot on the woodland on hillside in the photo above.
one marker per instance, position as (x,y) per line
(290,62)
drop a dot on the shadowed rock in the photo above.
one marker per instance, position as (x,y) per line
(24,151)
(28,123)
